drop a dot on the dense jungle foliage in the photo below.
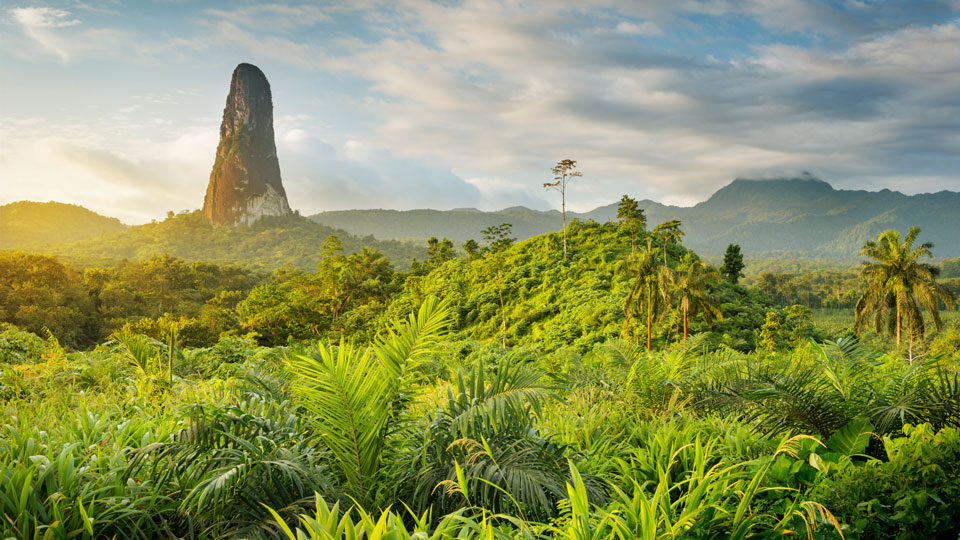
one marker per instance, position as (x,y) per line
(630,392)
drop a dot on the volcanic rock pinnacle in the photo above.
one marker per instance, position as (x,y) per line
(245,183)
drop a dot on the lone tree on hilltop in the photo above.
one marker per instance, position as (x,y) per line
(563,173)
(899,285)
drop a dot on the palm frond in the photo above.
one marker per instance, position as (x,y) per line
(352,394)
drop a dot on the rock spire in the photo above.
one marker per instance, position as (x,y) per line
(245,183)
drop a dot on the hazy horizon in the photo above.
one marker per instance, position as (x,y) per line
(419,105)
(588,210)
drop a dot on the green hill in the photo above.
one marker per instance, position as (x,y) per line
(271,242)
(550,304)
(28,224)
(796,218)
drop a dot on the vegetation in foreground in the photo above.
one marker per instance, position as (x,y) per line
(628,393)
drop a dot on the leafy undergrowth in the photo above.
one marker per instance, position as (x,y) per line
(424,433)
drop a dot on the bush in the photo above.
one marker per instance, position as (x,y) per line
(916,494)
(18,346)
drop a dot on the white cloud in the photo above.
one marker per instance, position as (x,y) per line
(499,193)
(470,103)
(39,22)
(645,28)
(43,17)
(277,18)
(503,91)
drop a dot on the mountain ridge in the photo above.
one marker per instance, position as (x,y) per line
(786,217)
(764,216)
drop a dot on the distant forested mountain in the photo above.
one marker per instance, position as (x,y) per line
(795,217)
(26,224)
(799,219)
(271,242)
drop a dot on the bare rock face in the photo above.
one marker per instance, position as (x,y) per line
(245,183)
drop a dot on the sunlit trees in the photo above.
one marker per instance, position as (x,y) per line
(899,286)
(439,251)
(331,276)
(648,289)
(471,248)
(563,173)
(668,231)
(300,305)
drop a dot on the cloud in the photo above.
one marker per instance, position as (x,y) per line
(415,103)
(325,175)
(68,38)
(500,193)
(645,28)
(275,18)
(43,17)
(503,91)
(39,22)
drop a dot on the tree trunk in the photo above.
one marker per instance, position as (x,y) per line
(563,213)
(898,322)
(173,343)
(503,311)
(649,317)
(684,326)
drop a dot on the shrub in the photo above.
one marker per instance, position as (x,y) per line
(916,494)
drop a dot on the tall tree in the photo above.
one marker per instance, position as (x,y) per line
(732,268)
(498,238)
(563,173)
(631,219)
(690,286)
(899,285)
(648,292)
(668,231)
(331,277)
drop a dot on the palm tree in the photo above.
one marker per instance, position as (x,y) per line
(483,448)
(669,231)
(690,285)
(648,290)
(353,394)
(898,285)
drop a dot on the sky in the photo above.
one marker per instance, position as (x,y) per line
(414,104)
